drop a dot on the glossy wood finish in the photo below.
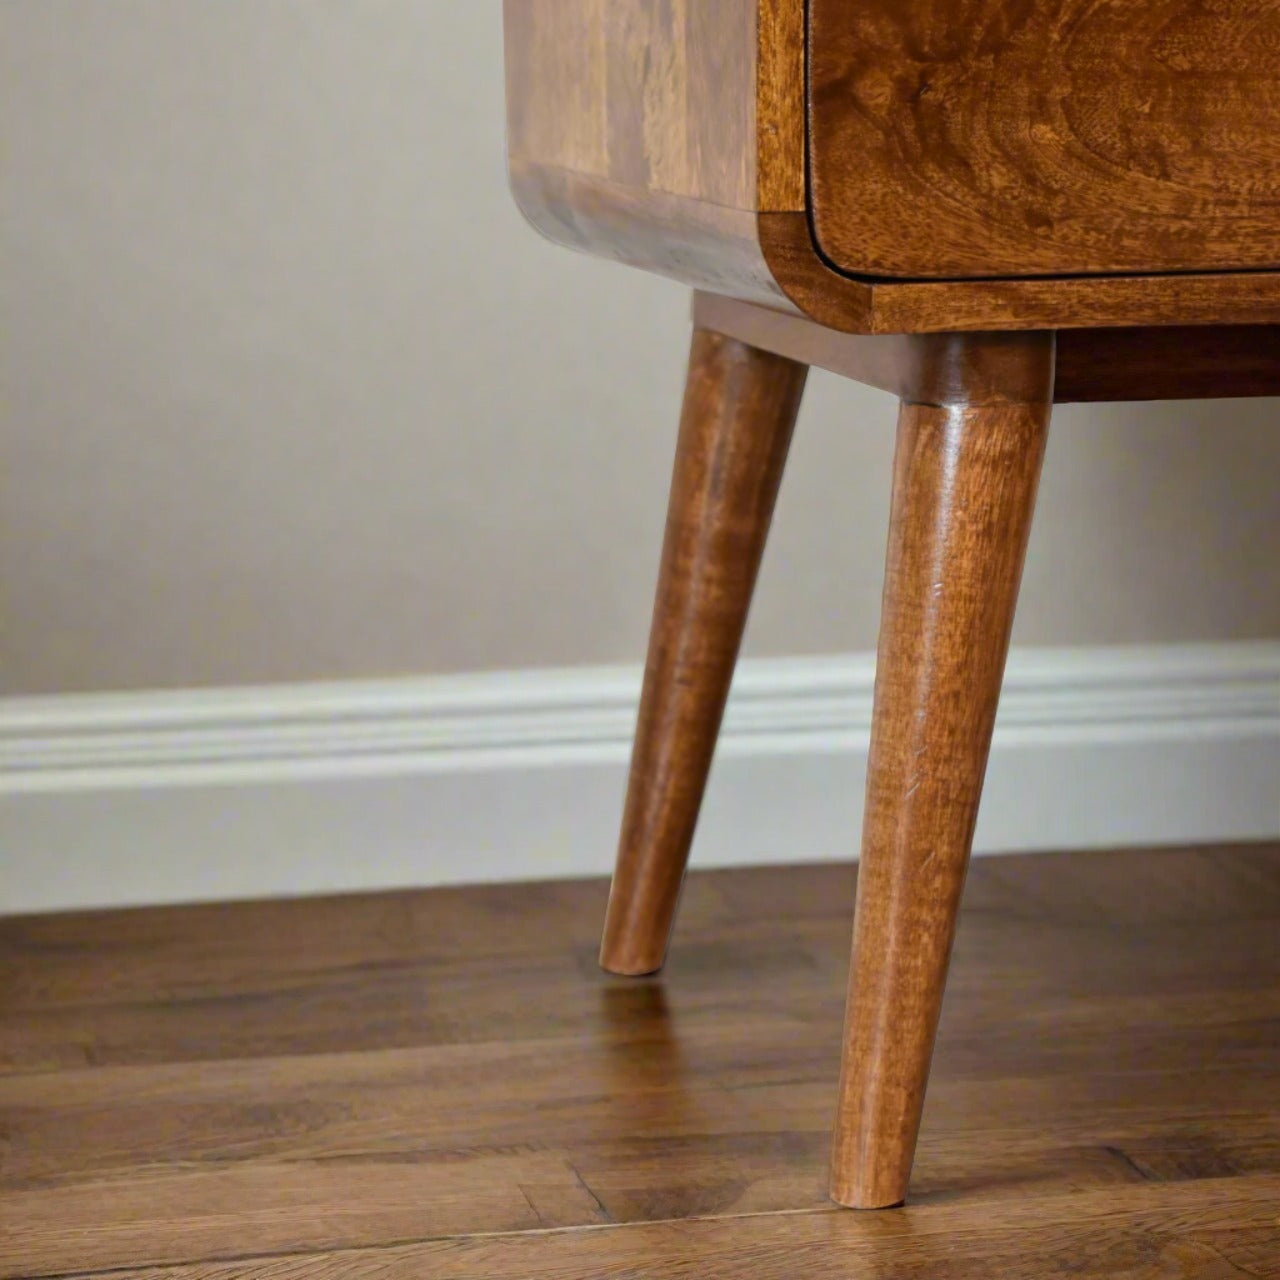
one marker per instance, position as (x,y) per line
(982,138)
(769,259)
(1177,362)
(611,154)
(651,96)
(701,99)
(857,305)
(1172,363)
(707,245)
(652,132)
(965,479)
(442,1083)
(1077,167)
(739,411)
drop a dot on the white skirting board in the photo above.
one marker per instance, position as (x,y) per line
(187,795)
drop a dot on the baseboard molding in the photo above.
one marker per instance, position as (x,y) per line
(186,795)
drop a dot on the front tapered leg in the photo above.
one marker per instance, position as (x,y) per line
(739,410)
(965,480)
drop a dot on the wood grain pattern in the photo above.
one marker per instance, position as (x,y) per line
(1175,363)
(965,480)
(687,240)
(921,368)
(670,135)
(998,138)
(388,1075)
(852,305)
(1220,1233)
(975,401)
(652,96)
(769,259)
(780,107)
(740,409)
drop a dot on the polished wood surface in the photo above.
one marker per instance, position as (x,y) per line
(655,97)
(706,245)
(1206,1231)
(855,305)
(611,153)
(964,488)
(653,132)
(443,1083)
(769,259)
(980,207)
(739,411)
(701,99)
(1172,363)
(980,138)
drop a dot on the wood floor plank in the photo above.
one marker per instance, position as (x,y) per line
(583,1092)
(319,1080)
(169,1215)
(263,979)
(1212,1230)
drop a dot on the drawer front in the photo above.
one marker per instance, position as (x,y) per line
(994,138)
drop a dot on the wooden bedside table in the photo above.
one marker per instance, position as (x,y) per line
(984,206)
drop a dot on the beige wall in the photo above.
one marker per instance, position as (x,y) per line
(291,392)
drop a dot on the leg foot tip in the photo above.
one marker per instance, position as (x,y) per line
(854,1198)
(868,1207)
(629,966)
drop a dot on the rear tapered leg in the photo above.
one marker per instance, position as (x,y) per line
(965,478)
(740,407)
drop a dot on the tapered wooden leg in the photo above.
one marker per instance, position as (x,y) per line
(739,410)
(964,489)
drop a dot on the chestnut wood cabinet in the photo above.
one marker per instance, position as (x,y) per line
(983,206)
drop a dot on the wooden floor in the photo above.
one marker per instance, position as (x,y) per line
(442,1084)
